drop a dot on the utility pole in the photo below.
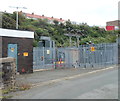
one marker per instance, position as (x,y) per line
(70,35)
(78,40)
(17,14)
(70,40)
(0,19)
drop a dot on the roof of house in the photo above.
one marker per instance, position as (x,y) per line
(43,17)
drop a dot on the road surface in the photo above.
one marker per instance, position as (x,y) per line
(97,85)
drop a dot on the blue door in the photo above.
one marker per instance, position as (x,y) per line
(12,51)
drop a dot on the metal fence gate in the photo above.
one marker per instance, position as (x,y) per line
(68,56)
(86,56)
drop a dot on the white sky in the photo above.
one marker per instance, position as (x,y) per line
(93,12)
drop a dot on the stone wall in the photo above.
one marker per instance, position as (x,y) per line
(8,72)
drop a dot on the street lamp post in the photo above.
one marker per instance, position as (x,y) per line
(17,14)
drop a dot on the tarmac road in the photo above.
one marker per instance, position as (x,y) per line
(97,85)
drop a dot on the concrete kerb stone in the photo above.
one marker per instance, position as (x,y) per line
(39,70)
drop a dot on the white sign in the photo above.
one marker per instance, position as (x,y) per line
(48,51)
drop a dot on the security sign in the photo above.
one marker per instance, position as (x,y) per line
(48,51)
(25,54)
(12,49)
(92,48)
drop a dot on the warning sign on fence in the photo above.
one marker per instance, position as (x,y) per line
(92,48)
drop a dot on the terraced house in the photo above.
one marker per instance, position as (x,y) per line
(50,19)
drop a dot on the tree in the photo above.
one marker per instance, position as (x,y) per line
(56,30)
(56,22)
(8,22)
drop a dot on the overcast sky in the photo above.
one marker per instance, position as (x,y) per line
(93,12)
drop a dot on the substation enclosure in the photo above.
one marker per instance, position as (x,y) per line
(19,45)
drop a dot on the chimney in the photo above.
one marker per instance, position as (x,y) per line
(33,13)
(43,15)
(68,19)
(60,18)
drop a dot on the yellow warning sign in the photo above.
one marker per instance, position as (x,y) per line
(92,48)
(12,49)
(25,54)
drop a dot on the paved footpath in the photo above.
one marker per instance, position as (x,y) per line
(54,74)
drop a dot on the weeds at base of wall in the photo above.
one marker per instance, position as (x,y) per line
(20,87)
(6,97)
(23,87)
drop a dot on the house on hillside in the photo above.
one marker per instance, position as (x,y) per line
(50,19)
